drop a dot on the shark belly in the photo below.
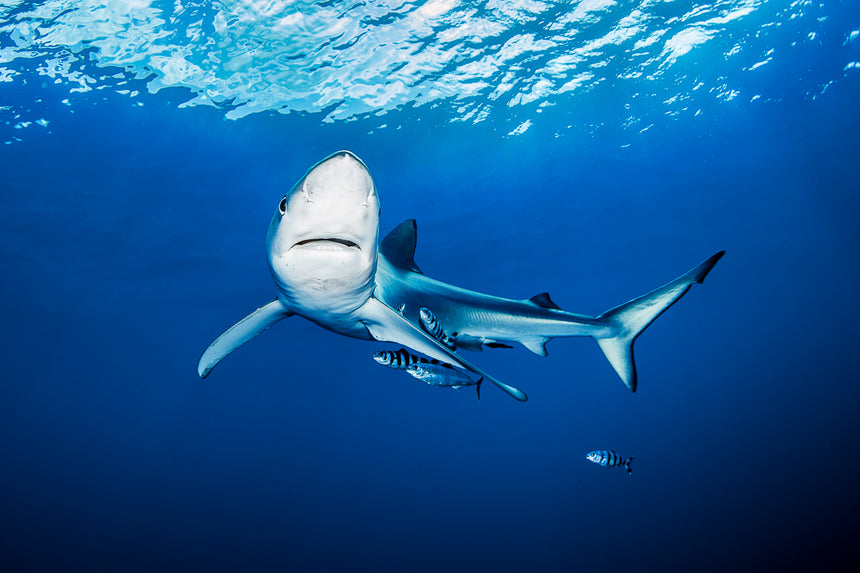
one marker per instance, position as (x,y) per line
(346,324)
(340,314)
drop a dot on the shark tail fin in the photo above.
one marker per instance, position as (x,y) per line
(631,318)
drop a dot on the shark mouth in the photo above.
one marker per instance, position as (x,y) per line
(328,244)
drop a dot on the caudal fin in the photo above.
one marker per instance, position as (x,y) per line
(631,318)
(627,465)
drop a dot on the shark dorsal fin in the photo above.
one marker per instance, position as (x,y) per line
(398,246)
(543,301)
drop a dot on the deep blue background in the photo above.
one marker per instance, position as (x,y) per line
(132,236)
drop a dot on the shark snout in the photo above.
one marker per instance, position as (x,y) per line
(341,177)
(344,155)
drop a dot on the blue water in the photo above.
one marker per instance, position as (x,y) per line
(591,149)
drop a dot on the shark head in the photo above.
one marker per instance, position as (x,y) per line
(322,241)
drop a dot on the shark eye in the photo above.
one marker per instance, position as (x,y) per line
(282,207)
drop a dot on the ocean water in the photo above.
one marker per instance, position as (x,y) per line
(593,149)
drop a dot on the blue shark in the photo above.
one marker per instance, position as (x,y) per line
(329,267)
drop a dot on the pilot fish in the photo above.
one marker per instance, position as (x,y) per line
(609,458)
(400,359)
(442,376)
(433,327)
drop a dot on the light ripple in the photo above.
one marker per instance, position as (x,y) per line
(350,59)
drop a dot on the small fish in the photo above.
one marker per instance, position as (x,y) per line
(443,376)
(609,458)
(400,359)
(433,327)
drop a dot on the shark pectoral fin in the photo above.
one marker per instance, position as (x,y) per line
(387,325)
(240,333)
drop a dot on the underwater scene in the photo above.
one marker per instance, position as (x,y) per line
(354,286)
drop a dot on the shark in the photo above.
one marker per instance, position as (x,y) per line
(329,266)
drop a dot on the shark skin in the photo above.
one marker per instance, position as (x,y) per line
(329,267)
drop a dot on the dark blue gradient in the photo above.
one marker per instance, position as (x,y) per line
(130,237)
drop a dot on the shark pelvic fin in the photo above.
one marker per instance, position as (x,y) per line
(631,318)
(240,333)
(535,344)
(387,325)
(398,246)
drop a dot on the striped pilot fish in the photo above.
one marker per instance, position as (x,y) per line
(433,327)
(401,359)
(442,376)
(609,458)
